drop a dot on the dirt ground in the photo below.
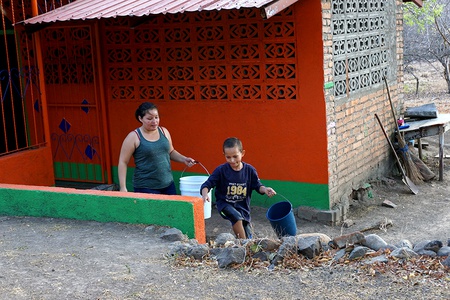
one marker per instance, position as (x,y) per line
(43,258)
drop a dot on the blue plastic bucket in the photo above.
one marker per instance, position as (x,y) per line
(282,219)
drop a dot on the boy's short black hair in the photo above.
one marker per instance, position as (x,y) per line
(232,142)
(143,108)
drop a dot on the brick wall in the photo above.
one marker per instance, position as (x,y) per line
(357,149)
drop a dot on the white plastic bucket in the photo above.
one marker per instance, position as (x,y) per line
(190,186)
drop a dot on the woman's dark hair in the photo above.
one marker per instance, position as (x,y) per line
(232,142)
(143,109)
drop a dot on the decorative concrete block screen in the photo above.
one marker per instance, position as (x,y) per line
(224,55)
(363,44)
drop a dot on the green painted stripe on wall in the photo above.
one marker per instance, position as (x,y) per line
(74,171)
(57,169)
(83,174)
(37,203)
(98,172)
(66,170)
(298,193)
(78,171)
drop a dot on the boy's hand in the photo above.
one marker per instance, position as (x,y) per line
(205,195)
(270,192)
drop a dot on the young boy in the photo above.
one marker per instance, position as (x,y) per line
(234,182)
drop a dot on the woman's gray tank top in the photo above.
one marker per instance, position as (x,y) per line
(152,160)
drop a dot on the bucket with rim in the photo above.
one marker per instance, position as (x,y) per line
(190,186)
(282,219)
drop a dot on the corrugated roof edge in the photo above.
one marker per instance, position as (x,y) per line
(97,9)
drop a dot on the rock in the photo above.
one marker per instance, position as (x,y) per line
(388,203)
(223,238)
(382,225)
(152,229)
(420,245)
(268,244)
(214,252)
(390,247)
(427,245)
(433,246)
(242,242)
(289,245)
(178,248)
(348,239)
(198,251)
(377,259)
(262,256)
(339,254)
(358,252)
(173,234)
(404,243)
(444,251)
(348,223)
(228,256)
(193,242)
(427,252)
(446,262)
(374,242)
(324,239)
(404,252)
(310,246)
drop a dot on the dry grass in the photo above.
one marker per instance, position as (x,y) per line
(432,87)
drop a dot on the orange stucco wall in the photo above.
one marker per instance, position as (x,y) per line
(284,140)
(32,167)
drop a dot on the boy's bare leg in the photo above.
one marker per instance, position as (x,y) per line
(238,229)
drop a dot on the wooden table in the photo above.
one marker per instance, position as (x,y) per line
(426,128)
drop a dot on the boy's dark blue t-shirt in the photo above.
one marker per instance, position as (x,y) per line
(234,187)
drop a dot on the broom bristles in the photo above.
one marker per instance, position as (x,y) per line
(410,167)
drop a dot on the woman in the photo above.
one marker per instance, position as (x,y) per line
(152,149)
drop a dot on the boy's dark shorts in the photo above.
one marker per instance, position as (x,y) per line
(233,215)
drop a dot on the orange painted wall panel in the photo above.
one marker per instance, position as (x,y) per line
(284,139)
(32,167)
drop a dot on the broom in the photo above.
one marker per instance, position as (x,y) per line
(410,167)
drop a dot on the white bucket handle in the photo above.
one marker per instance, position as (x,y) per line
(196,162)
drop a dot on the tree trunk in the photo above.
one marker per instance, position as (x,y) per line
(446,63)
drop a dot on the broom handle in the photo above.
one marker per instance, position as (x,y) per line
(392,146)
(392,106)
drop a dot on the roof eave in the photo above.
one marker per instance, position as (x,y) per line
(419,3)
